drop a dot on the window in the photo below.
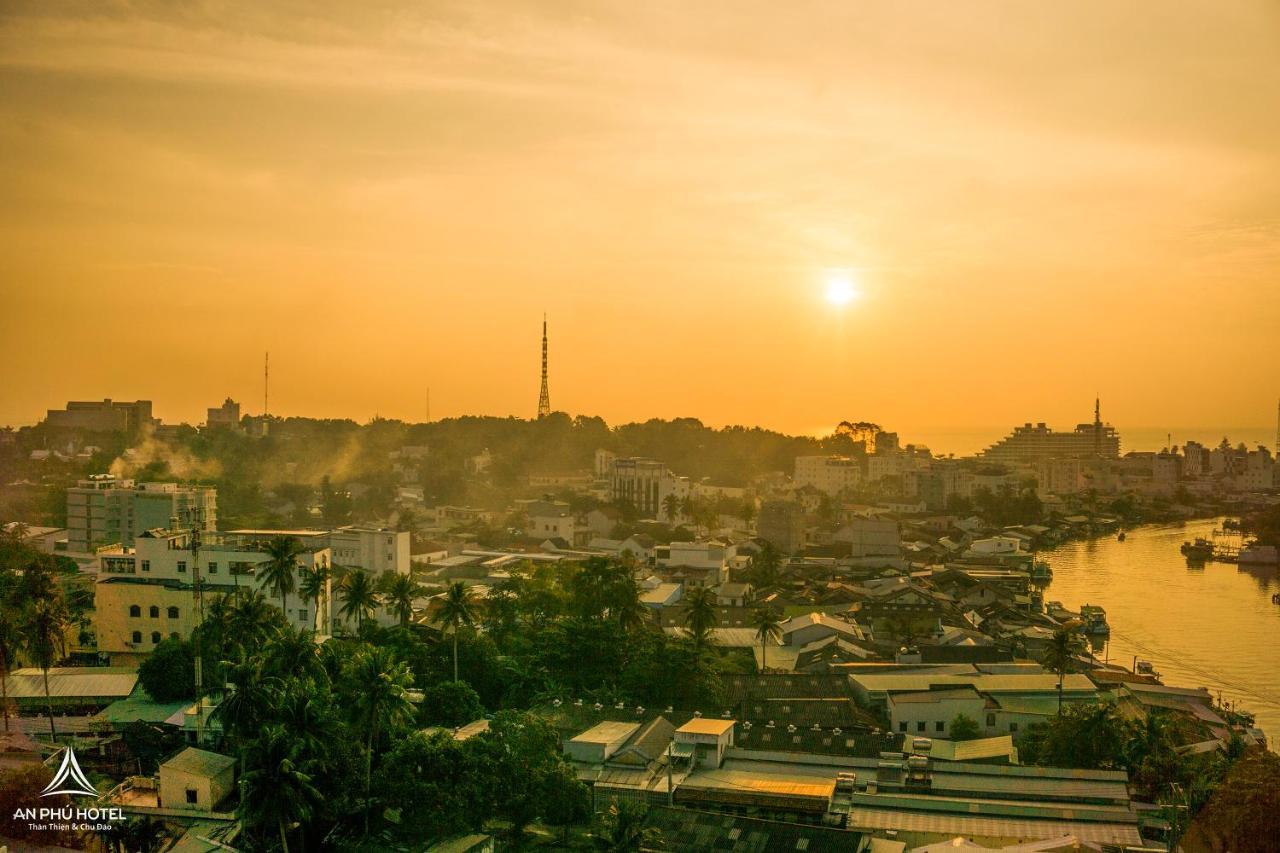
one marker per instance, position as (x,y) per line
(902,726)
(137,636)
(182,566)
(920,726)
(940,726)
(173,613)
(146,565)
(302,615)
(191,796)
(213,568)
(991,720)
(154,612)
(155,636)
(1013,727)
(173,635)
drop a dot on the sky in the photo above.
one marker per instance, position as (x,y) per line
(1025,205)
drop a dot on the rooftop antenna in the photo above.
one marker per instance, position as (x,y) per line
(197,590)
(544,397)
(1097,425)
(266,384)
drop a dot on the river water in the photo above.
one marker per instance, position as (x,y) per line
(1213,626)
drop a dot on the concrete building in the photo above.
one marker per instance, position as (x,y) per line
(196,779)
(146,596)
(638,482)
(871,537)
(106,416)
(829,474)
(226,416)
(550,520)
(377,550)
(781,524)
(103,510)
(704,741)
(1031,443)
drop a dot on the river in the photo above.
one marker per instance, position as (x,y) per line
(1213,626)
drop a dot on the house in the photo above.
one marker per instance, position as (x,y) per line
(810,627)
(931,712)
(196,779)
(733,594)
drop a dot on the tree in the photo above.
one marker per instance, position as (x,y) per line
(1243,814)
(294,653)
(169,673)
(764,566)
(378,698)
(279,571)
(313,587)
(671,506)
(276,792)
(401,591)
(358,598)
(450,703)
(43,628)
(700,616)
(455,612)
(964,727)
(621,828)
(768,628)
(10,640)
(1064,647)
(433,788)
(252,620)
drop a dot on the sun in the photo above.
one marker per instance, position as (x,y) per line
(840,289)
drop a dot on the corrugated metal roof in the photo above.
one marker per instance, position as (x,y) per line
(72,682)
(967,825)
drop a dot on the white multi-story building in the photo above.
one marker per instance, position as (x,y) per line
(376,550)
(103,510)
(829,474)
(148,595)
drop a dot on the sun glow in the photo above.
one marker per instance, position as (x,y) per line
(840,289)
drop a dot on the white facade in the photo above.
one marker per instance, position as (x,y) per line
(829,474)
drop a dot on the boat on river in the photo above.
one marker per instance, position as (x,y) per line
(1199,549)
(1095,621)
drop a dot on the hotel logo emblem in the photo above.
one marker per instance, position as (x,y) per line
(69,779)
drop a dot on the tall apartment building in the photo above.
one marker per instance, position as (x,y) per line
(147,596)
(639,482)
(226,416)
(103,510)
(829,474)
(105,416)
(1031,443)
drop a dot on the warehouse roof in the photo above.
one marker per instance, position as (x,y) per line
(72,682)
(705,726)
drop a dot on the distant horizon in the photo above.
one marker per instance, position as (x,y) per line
(960,440)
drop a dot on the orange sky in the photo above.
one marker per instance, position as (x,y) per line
(1038,201)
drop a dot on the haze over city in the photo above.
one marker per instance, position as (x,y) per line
(943,218)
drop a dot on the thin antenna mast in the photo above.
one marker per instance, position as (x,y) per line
(266,384)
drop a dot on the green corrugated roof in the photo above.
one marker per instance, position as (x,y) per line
(140,707)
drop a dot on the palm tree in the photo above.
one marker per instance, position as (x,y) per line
(622,595)
(622,830)
(278,572)
(44,626)
(277,791)
(358,598)
(294,653)
(768,627)
(380,702)
(244,708)
(456,611)
(1062,650)
(314,585)
(252,621)
(401,590)
(700,616)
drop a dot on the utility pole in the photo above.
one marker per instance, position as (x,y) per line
(198,596)
(266,384)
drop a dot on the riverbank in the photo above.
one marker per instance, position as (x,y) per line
(1213,626)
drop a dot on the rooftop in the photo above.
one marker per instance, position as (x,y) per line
(705,726)
(199,762)
(607,732)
